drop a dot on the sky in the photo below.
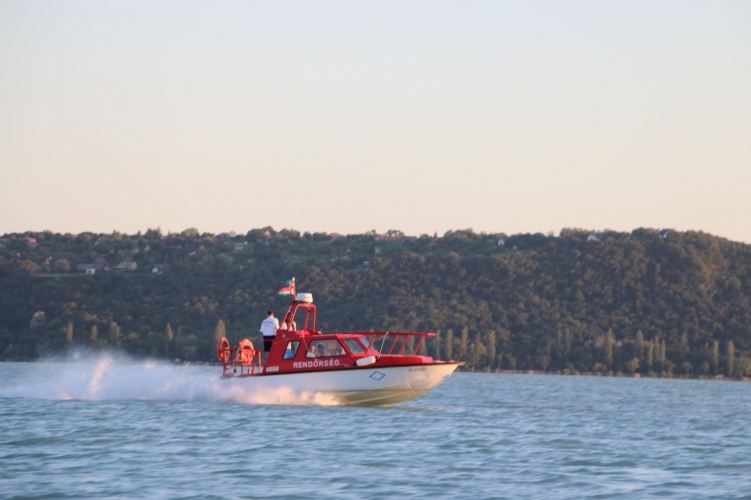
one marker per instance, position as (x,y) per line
(341,116)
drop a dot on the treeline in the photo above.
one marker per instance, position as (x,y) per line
(660,303)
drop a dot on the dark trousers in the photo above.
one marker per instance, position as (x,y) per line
(267,341)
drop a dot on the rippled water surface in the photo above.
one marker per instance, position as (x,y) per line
(109,428)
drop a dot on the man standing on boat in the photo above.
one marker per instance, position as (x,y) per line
(269,326)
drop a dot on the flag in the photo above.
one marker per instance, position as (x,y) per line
(286,291)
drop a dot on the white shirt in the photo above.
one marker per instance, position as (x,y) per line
(269,326)
(284,326)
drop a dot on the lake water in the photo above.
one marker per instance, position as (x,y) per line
(104,427)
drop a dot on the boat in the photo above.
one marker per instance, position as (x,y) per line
(354,368)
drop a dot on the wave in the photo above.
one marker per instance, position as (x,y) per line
(113,376)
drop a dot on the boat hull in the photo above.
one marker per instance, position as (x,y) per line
(366,386)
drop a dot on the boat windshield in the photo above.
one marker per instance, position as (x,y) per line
(354,346)
(324,349)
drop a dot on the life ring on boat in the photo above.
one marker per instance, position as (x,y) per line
(245,352)
(223,350)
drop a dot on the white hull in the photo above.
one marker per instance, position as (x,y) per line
(371,385)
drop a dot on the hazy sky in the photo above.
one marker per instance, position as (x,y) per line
(349,116)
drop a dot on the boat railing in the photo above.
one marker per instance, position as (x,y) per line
(395,342)
(246,361)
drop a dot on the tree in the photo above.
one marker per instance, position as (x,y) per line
(543,361)
(639,344)
(169,335)
(62,266)
(730,357)
(463,343)
(114,333)
(662,356)
(631,282)
(448,345)
(69,332)
(650,354)
(704,368)
(436,342)
(219,331)
(511,361)
(94,333)
(633,365)
(37,320)
(684,346)
(491,349)
(179,341)
(609,341)
(715,356)
(563,347)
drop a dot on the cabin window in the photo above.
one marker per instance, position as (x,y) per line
(354,346)
(325,349)
(291,350)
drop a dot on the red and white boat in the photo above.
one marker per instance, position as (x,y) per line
(361,368)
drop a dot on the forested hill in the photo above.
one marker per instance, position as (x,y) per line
(674,303)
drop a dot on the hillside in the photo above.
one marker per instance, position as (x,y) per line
(678,304)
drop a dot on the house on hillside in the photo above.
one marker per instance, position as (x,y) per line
(158,269)
(126,266)
(664,233)
(593,237)
(239,247)
(88,268)
(501,243)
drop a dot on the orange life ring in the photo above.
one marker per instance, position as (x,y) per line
(245,352)
(223,350)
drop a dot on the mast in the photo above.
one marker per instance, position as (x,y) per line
(289,288)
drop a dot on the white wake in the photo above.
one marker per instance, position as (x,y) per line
(108,376)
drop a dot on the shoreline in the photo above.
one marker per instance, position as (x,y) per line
(613,375)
